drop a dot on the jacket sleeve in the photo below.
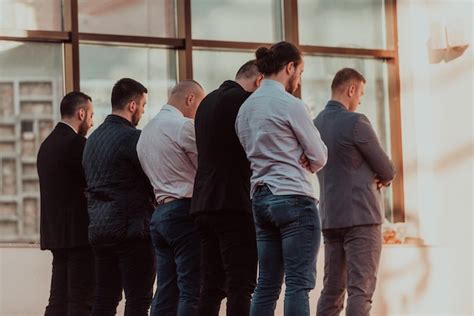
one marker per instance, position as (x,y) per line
(369,146)
(308,136)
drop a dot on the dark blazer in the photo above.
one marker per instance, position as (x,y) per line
(222,180)
(120,196)
(64,218)
(349,194)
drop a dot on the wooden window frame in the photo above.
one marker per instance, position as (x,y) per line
(184,44)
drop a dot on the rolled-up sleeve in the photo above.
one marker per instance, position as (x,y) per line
(368,144)
(187,141)
(308,136)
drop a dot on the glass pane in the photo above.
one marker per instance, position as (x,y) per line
(43,15)
(211,68)
(237,20)
(342,23)
(316,92)
(102,66)
(140,17)
(31,87)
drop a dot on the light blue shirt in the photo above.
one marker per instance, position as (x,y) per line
(275,129)
(168,155)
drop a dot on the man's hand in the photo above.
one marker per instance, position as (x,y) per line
(381,184)
(304,162)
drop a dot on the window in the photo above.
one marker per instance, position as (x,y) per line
(237,20)
(44,53)
(342,23)
(102,66)
(212,68)
(31,83)
(140,18)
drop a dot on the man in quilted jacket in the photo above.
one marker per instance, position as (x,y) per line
(120,205)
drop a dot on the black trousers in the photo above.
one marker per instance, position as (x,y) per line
(72,282)
(229,261)
(128,266)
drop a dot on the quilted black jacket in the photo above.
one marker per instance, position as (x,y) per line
(119,193)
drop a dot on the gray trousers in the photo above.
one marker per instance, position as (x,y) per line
(351,260)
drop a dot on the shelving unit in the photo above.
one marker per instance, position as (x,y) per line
(28,112)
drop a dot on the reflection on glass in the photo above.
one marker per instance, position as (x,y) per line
(211,68)
(102,66)
(43,15)
(237,20)
(140,17)
(31,87)
(316,92)
(342,23)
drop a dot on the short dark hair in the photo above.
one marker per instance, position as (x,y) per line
(247,70)
(344,76)
(272,60)
(124,91)
(72,101)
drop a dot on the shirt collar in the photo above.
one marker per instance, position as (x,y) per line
(337,104)
(69,126)
(272,83)
(171,108)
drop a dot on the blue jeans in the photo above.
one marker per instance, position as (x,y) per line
(288,238)
(177,247)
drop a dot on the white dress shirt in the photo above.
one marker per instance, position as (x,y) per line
(275,129)
(168,155)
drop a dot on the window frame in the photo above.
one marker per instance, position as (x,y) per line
(184,44)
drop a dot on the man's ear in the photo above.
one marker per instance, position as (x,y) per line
(190,99)
(258,81)
(132,106)
(81,114)
(290,67)
(351,91)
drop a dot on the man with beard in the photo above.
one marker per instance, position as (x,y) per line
(221,199)
(64,218)
(284,149)
(120,206)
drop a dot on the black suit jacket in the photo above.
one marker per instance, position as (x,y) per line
(64,218)
(349,194)
(222,180)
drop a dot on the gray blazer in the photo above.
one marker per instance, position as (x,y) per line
(349,194)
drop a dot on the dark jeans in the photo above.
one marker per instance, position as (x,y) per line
(288,239)
(72,282)
(128,266)
(177,248)
(229,262)
(352,258)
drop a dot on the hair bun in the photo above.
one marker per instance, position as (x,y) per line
(262,52)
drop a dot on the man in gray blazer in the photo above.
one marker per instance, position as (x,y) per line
(351,199)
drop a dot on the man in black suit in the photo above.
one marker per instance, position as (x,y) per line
(221,199)
(351,199)
(64,218)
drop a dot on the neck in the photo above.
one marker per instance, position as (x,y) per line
(73,123)
(341,100)
(281,77)
(179,106)
(247,85)
(123,114)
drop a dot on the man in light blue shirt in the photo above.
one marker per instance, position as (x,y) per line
(285,150)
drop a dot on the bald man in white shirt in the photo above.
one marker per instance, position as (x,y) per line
(168,155)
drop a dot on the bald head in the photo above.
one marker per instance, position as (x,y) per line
(186,97)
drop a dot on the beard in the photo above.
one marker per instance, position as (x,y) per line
(136,116)
(292,85)
(83,128)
